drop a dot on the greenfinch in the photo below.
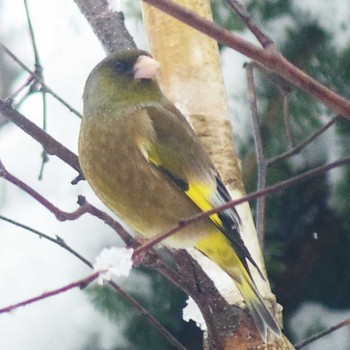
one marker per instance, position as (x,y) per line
(144,161)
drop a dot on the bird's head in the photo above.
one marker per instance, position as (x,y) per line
(125,77)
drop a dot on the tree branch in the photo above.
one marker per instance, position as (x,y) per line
(108,25)
(50,145)
(322,334)
(78,284)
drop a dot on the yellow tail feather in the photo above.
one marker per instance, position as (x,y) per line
(218,248)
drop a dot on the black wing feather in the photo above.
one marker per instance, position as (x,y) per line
(232,226)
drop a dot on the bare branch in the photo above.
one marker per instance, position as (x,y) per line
(57,240)
(322,334)
(151,319)
(300,146)
(32,35)
(259,151)
(84,206)
(108,25)
(50,145)
(286,118)
(78,284)
(242,12)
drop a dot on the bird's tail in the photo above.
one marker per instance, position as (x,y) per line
(217,248)
(261,315)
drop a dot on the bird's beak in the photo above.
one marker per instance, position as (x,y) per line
(145,67)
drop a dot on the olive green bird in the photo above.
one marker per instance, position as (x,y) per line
(143,160)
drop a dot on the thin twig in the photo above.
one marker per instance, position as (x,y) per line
(59,214)
(84,206)
(107,219)
(259,151)
(78,284)
(285,89)
(44,155)
(32,36)
(286,118)
(35,76)
(322,334)
(242,12)
(167,335)
(44,159)
(57,240)
(300,146)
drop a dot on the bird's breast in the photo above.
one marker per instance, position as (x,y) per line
(117,169)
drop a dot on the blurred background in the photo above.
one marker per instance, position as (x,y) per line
(307,229)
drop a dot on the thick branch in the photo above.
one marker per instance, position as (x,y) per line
(108,25)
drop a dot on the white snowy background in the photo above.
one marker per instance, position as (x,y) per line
(30,266)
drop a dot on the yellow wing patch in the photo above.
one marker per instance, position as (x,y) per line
(200,194)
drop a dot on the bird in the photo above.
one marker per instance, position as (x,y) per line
(143,160)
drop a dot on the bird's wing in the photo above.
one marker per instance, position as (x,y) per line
(183,160)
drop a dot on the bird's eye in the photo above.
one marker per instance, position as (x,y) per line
(123,67)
